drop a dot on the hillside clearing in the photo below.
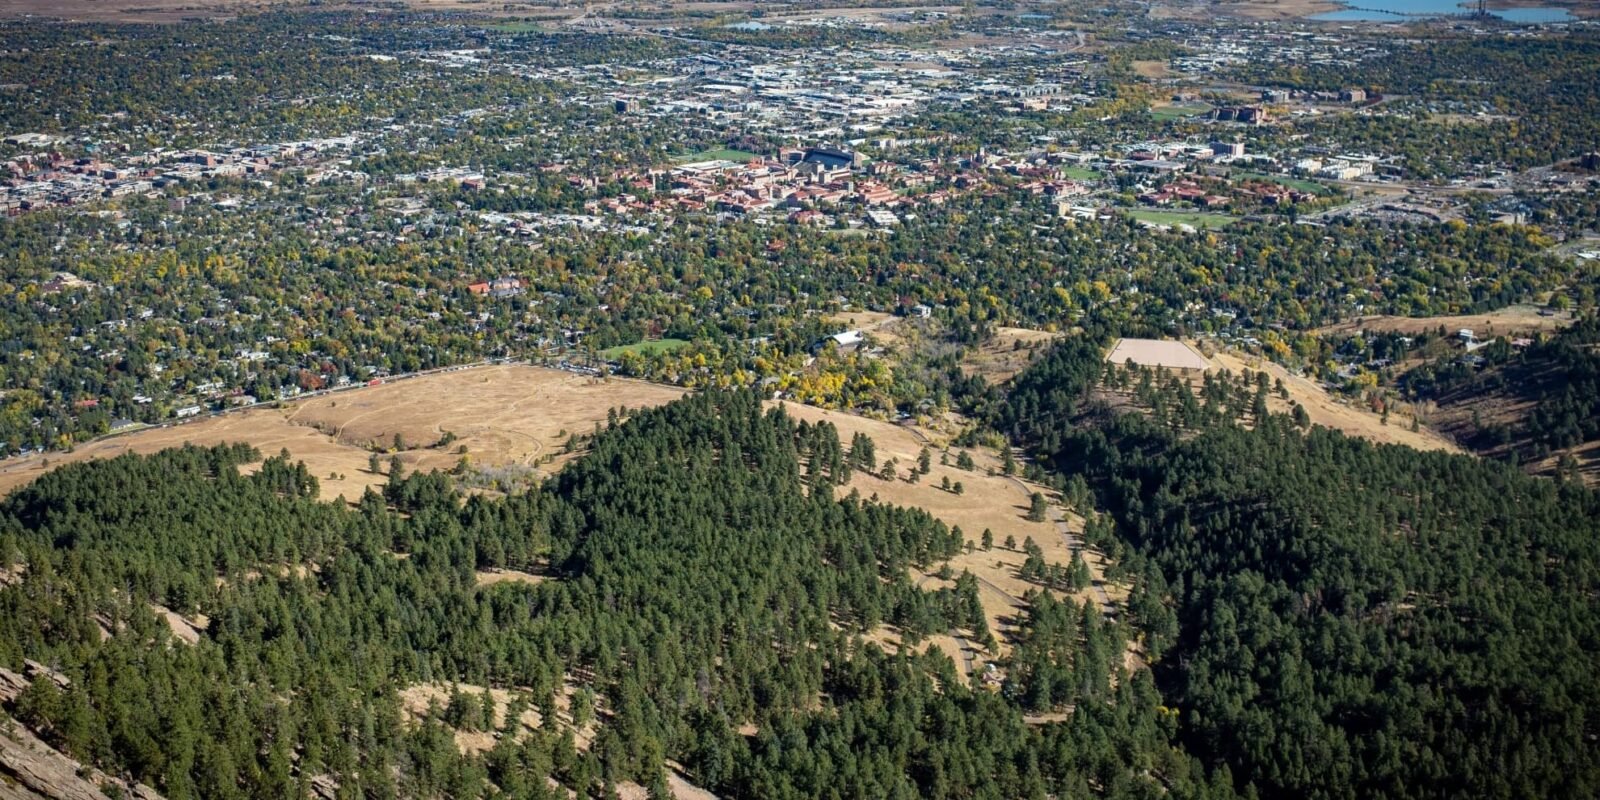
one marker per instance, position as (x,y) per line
(490,577)
(1506,321)
(988,501)
(1326,410)
(1154,70)
(505,416)
(418,701)
(1006,353)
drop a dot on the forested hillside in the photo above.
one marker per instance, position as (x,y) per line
(703,577)
(1522,405)
(1333,618)
(1325,618)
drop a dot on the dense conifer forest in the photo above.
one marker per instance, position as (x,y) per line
(1336,618)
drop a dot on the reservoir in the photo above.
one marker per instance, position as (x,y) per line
(1407,10)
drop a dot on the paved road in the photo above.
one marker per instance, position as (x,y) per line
(969,651)
(1076,545)
(1010,598)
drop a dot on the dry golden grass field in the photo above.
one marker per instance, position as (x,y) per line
(1154,70)
(175,11)
(1505,322)
(1326,410)
(1007,353)
(504,415)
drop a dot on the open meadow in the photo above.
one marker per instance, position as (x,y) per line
(1521,319)
(1007,353)
(1330,412)
(511,416)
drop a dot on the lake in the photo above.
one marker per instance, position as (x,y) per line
(1405,10)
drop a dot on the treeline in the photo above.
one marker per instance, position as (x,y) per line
(1334,618)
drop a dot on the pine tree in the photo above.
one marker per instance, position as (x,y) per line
(1037,508)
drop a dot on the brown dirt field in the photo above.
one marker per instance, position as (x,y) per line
(998,360)
(1154,70)
(504,415)
(1327,411)
(494,576)
(1161,353)
(1514,319)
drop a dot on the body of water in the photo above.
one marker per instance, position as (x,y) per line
(1406,10)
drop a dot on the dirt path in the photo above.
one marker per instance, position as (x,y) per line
(964,646)
(1075,543)
(1058,516)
